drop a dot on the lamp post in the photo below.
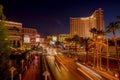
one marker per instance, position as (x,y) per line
(27,57)
(12,69)
(97,54)
(100,46)
(10,62)
(94,60)
(107,55)
(22,61)
(98,42)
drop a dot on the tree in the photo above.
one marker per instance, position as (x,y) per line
(76,40)
(112,27)
(2,16)
(93,31)
(4,49)
(86,43)
(95,42)
(118,26)
(68,40)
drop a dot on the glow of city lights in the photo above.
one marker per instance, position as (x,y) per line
(91,71)
(84,18)
(54,38)
(26,39)
(37,39)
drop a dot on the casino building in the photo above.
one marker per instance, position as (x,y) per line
(21,37)
(81,25)
(31,37)
(14,33)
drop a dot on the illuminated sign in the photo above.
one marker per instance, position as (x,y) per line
(37,39)
(26,39)
(54,38)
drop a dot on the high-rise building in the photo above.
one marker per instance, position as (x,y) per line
(81,25)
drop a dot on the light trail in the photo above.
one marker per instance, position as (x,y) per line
(57,67)
(64,66)
(89,70)
(85,73)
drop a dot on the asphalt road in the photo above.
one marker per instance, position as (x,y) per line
(65,70)
(33,72)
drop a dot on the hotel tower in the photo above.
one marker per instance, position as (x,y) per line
(81,25)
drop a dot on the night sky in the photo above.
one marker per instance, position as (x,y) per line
(52,16)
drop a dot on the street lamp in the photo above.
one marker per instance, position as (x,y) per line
(100,57)
(10,62)
(22,61)
(98,43)
(27,57)
(107,55)
(12,69)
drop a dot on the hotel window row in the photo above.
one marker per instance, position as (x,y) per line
(82,25)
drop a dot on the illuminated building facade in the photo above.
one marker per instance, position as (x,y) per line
(31,37)
(14,33)
(57,40)
(62,37)
(19,36)
(81,26)
(42,40)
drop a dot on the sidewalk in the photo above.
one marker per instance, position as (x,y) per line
(33,72)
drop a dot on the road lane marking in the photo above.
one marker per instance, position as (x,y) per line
(57,67)
(64,66)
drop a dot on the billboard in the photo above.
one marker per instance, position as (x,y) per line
(26,39)
(37,40)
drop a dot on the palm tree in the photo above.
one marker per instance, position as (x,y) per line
(118,18)
(86,40)
(112,27)
(100,34)
(76,40)
(118,24)
(93,31)
(95,42)
(68,40)
(91,46)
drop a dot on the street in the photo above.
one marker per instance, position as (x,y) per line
(33,72)
(62,67)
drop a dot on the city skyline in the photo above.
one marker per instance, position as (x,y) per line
(54,16)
